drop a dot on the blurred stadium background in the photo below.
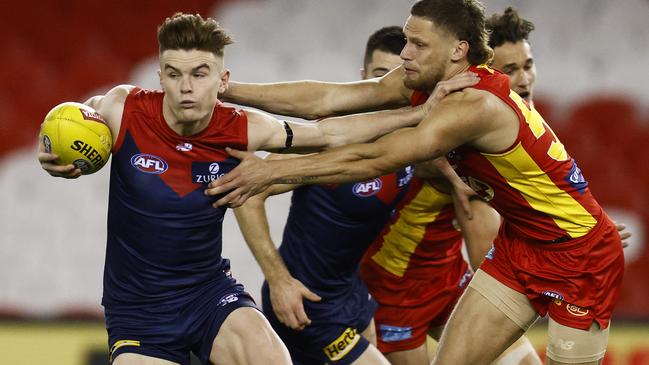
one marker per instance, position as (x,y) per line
(591,88)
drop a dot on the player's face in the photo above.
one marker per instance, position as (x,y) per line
(381,63)
(191,81)
(516,60)
(426,54)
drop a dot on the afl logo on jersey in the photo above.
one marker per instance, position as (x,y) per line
(149,164)
(368,188)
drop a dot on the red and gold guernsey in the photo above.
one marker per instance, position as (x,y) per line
(534,184)
(418,242)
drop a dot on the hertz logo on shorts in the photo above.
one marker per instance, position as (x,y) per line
(342,345)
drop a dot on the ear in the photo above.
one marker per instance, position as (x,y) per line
(363,73)
(160,76)
(460,51)
(225,78)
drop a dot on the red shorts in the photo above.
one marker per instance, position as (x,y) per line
(409,307)
(576,282)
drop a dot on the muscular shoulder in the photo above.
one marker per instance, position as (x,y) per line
(111,105)
(256,117)
(492,123)
(114,97)
(264,131)
(474,101)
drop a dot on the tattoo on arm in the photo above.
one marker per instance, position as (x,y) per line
(297,180)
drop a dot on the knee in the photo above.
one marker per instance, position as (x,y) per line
(246,337)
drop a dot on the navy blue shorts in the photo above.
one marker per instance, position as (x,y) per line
(171,331)
(334,335)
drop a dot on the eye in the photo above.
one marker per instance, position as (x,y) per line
(510,71)
(528,65)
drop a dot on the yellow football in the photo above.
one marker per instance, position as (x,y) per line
(78,135)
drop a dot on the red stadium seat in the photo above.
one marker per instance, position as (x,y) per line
(607,121)
(67,61)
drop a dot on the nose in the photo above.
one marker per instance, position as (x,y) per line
(186,85)
(525,79)
(406,52)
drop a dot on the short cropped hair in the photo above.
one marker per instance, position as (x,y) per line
(387,39)
(465,19)
(191,31)
(508,27)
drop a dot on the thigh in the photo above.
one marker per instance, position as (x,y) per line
(416,356)
(138,359)
(246,337)
(567,345)
(370,333)
(371,356)
(488,318)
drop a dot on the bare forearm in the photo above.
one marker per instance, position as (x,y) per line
(315,99)
(367,127)
(254,227)
(302,99)
(350,163)
(479,232)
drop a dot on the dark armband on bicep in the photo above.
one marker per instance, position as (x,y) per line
(289,137)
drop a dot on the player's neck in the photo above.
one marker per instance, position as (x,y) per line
(456,69)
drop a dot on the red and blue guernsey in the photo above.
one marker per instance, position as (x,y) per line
(329,228)
(164,237)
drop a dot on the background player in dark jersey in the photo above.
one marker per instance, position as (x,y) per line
(501,143)
(328,230)
(167,290)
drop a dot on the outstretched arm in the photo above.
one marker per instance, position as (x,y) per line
(456,120)
(314,99)
(267,133)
